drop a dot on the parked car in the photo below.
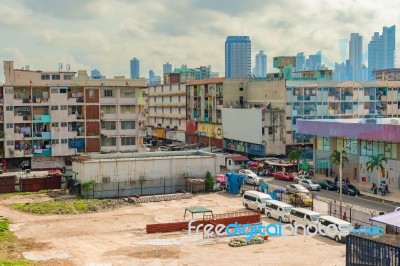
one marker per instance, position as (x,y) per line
(295,188)
(301,199)
(283,176)
(327,184)
(162,148)
(252,178)
(255,200)
(301,177)
(397,209)
(310,184)
(349,190)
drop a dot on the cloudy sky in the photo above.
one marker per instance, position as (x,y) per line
(106,34)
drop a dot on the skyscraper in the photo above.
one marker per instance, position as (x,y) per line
(134,68)
(300,61)
(355,56)
(381,50)
(167,68)
(237,56)
(261,65)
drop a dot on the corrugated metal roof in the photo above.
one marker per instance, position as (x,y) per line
(392,219)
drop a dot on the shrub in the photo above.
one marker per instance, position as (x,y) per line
(209,182)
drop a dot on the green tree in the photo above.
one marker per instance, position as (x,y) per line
(209,182)
(294,157)
(335,158)
(376,161)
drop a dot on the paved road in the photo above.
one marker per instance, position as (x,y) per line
(362,201)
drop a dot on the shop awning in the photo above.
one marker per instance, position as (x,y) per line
(392,219)
(239,158)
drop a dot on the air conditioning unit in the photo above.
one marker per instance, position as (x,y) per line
(27,171)
(106,179)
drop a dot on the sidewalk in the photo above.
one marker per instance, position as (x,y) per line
(365,189)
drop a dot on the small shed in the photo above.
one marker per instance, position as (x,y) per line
(197,209)
(195,181)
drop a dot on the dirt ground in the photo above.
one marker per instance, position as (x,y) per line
(118,237)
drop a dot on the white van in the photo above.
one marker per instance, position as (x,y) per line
(304,217)
(277,210)
(255,200)
(343,228)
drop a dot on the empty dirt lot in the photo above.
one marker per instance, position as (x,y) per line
(118,237)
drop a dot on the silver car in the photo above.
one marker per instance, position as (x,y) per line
(310,184)
(294,188)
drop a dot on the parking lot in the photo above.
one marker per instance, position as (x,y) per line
(118,237)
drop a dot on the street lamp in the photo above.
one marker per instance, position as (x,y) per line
(340,175)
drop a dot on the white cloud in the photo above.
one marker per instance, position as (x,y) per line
(106,35)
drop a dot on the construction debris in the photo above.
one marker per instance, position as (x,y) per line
(157,198)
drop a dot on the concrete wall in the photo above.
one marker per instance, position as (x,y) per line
(150,168)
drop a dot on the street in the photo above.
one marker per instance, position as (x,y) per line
(367,202)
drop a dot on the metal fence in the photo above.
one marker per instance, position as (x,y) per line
(326,206)
(363,251)
(141,188)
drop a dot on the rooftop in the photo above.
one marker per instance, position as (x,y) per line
(140,155)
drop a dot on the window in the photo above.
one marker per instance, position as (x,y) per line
(155,99)
(10,142)
(127,141)
(63,124)
(54,90)
(64,141)
(45,77)
(54,107)
(108,125)
(54,124)
(63,107)
(55,141)
(9,108)
(10,125)
(107,93)
(55,77)
(127,124)
(63,90)
(127,93)
(68,77)
(91,93)
(127,109)
(107,141)
(108,109)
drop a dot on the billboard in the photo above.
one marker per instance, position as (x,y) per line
(209,130)
(242,124)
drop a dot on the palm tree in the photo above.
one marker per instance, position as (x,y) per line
(335,158)
(376,161)
(294,156)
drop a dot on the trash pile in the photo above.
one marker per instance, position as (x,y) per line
(241,241)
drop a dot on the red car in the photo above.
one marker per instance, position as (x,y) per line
(283,176)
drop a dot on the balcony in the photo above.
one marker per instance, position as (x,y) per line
(42,152)
(41,118)
(41,135)
(21,153)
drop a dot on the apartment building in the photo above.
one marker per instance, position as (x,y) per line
(284,101)
(166,118)
(204,118)
(49,116)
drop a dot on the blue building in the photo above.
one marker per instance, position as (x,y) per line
(237,56)
(167,68)
(95,74)
(134,68)
(381,50)
(260,70)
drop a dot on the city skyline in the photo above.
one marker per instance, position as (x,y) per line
(47,33)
